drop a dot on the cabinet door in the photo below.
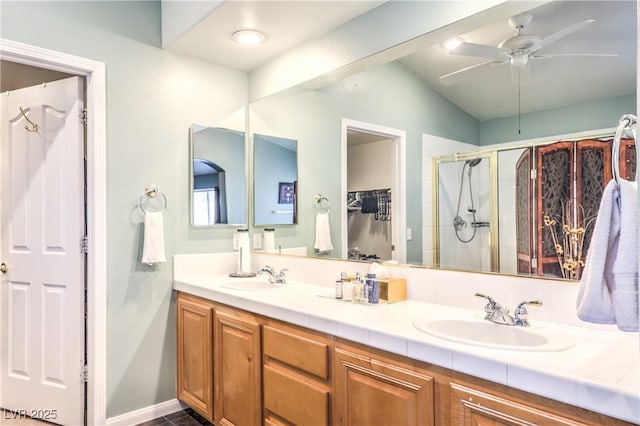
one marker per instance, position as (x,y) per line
(472,407)
(237,369)
(372,391)
(195,355)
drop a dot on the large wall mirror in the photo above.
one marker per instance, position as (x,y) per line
(576,87)
(218,176)
(275,180)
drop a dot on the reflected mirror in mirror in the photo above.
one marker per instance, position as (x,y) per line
(482,111)
(218,178)
(275,177)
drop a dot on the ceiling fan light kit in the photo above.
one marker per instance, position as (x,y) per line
(452,43)
(515,50)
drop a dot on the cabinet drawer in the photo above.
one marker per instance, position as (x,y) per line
(294,400)
(296,351)
(474,407)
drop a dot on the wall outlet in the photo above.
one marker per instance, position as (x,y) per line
(409,234)
(257,241)
(236,242)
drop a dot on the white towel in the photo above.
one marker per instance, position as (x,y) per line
(323,233)
(609,286)
(153,250)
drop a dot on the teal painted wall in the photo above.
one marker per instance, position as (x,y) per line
(595,115)
(153,97)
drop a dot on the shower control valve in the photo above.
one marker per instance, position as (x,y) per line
(459,223)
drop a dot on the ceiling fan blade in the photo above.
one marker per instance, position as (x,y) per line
(552,55)
(454,77)
(480,51)
(565,32)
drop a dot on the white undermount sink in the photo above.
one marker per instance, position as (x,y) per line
(251,284)
(481,332)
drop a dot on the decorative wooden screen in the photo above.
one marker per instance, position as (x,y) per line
(524,195)
(554,182)
(628,159)
(570,178)
(593,173)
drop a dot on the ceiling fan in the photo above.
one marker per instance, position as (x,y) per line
(516,50)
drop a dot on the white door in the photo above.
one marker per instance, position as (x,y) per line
(43,222)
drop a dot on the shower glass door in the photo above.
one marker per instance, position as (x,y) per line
(464,213)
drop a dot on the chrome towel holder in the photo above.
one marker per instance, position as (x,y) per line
(627,123)
(321,204)
(152,191)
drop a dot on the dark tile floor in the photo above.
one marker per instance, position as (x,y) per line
(186,417)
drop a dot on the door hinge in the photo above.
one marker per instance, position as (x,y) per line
(534,174)
(84,374)
(83,116)
(84,244)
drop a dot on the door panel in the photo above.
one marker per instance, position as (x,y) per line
(42,295)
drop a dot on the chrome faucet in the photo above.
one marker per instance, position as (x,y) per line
(279,278)
(499,315)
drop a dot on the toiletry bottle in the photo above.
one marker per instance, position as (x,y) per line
(364,292)
(339,289)
(357,289)
(372,288)
(268,240)
(347,287)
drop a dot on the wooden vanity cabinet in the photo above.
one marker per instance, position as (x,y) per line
(297,375)
(373,388)
(488,404)
(195,353)
(237,368)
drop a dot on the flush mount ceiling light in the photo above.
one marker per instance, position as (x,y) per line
(452,43)
(248,37)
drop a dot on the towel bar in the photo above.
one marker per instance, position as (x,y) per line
(152,191)
(627,123)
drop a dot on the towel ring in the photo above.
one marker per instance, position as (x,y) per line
(627,123)
(152,191)
(322,204)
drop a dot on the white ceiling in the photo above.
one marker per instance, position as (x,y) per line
(285,23)
(485,93)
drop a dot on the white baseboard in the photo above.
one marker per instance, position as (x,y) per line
(145,414)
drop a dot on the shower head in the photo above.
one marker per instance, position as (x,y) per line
(473,162)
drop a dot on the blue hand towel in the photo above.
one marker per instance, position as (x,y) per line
(609,286)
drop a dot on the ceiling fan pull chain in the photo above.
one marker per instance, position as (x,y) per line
(519,126)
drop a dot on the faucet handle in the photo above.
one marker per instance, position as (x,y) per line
(282,271)
(491,305)
(521,314)
(529,302)
(268,268)
(484,296)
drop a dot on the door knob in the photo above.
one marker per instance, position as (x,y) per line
(3,268)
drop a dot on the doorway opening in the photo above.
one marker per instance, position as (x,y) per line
(373,226)
(94,75)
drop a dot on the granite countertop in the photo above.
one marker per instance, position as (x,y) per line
(600,372)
